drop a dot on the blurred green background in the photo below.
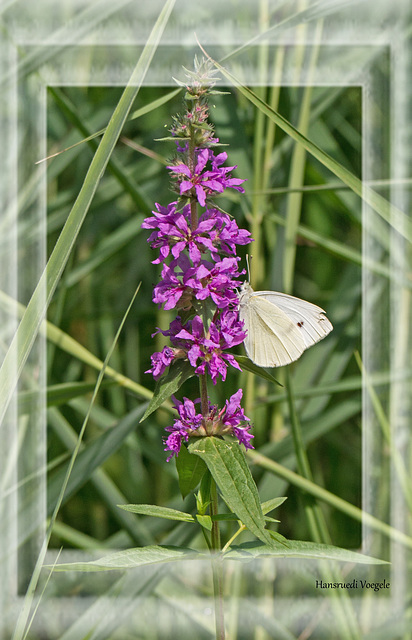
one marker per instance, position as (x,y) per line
(112,256)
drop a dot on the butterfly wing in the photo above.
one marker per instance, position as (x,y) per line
(309,318)
(272,339)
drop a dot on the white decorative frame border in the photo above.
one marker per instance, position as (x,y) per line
(58,40)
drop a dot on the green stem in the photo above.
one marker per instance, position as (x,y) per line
(204,398)
(217,567)
(215,544)
(193,214)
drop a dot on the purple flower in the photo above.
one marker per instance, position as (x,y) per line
(175,287)
(228,233)
(206,353)
(160,361)
(188,421)
(174,442)
(203,182)
(235,418)
(229,420)
(172,233)
(223,171)
(197,253)
(181,283)
(217,281)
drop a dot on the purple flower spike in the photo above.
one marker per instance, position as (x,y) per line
(199,272)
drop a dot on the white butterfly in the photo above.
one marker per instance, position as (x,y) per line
(279,327)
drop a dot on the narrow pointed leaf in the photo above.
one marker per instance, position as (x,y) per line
(178,373)
(248,365)
(157,512)
(190,470)
(132,558)
(300,549)
(269,505)
(227,464)
(74,348)
(59,393)
(205,521)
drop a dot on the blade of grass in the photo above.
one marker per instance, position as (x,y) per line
(114,166)
(347,253)
(329,498)
(317,10)
(337,186)
(388,212)
(398,462)
(36,309)
(314,516)
(104,485)
(75,538)
(109,246)
(136,114)
(57,394)
(75,349)
(258,146)
(42,593)
(22,627)
(352,383)
(341,603)
(297,174)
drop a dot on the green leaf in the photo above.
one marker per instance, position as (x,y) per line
(147,108)
(113,165)
(225,517)
(269,505)
(278,536)
(24,613)
(111,244)
(205,521)
(190,470)
(157,512)
(132,558)
(155,104)
(329,498)
(232,517)
(228,466)
(300,549)
(248,365)
(178,373)
(206,309)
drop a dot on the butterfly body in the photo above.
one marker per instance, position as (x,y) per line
(279,327)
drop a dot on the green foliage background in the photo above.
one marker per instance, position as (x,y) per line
(98,285)
(309,238)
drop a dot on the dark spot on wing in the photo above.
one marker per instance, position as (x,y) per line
(300,324)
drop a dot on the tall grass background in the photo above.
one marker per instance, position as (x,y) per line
(326,439)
